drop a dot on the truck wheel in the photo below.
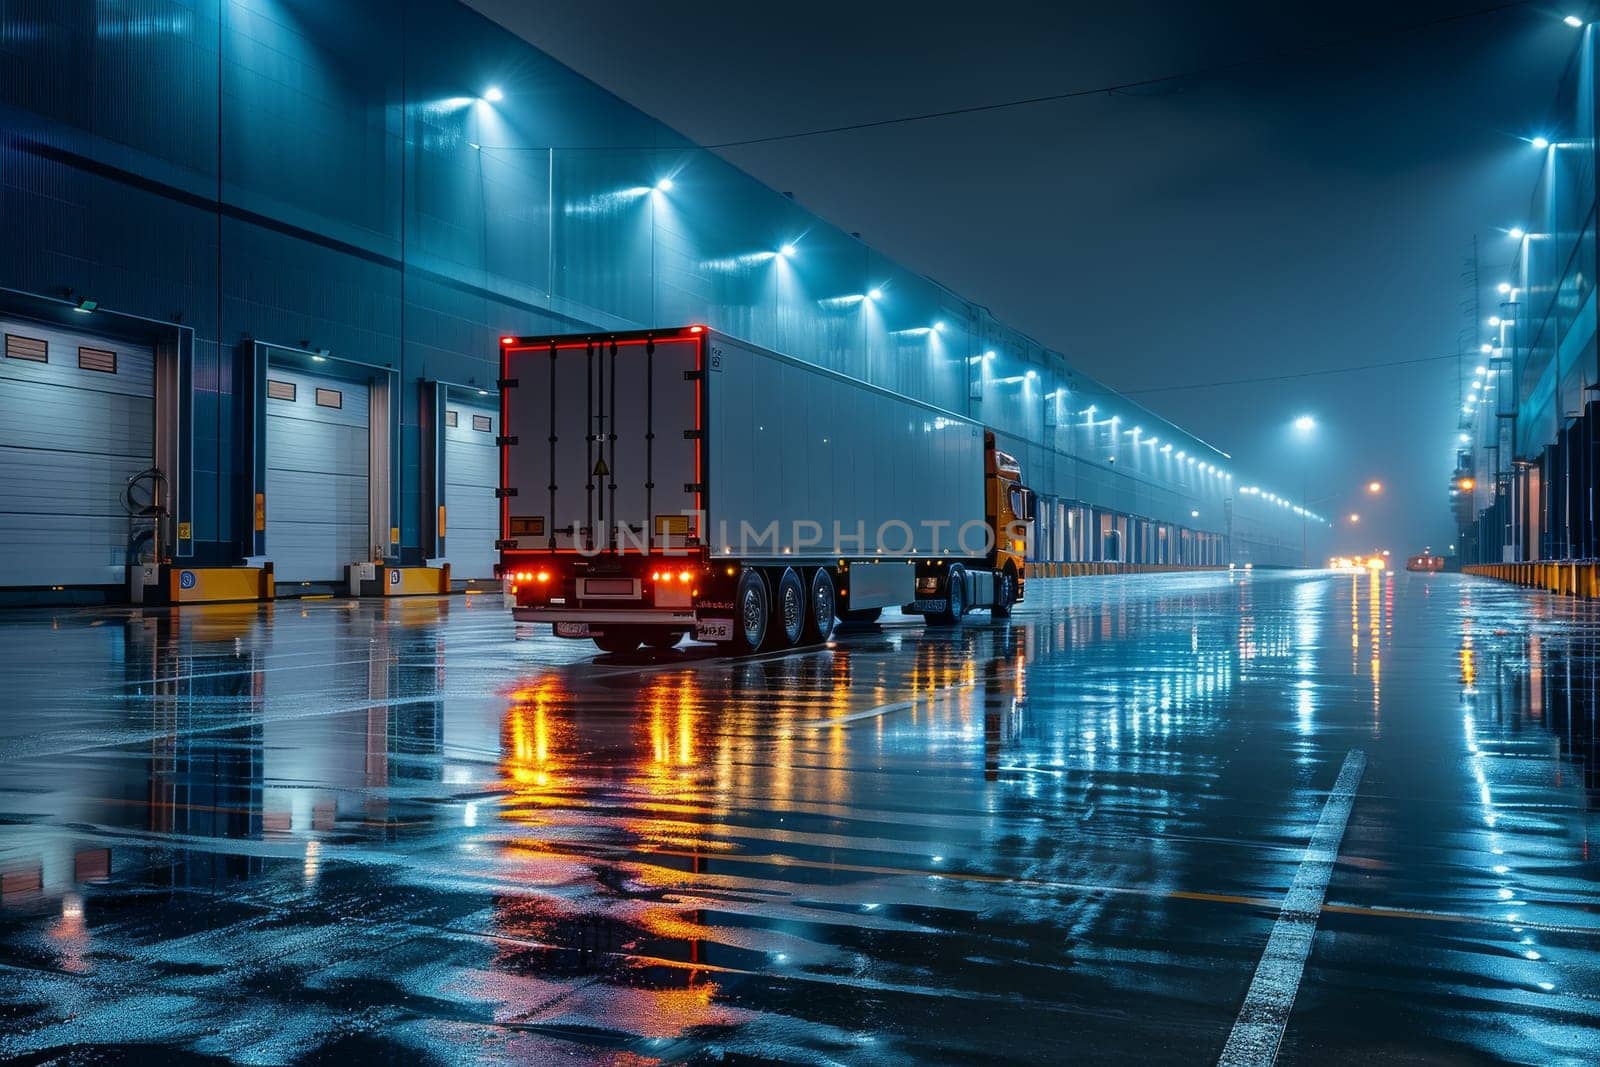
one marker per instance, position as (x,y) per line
(752,614)
(790,616)
(663,638)
(861,616)
(955,593)
(621,641)
(1005,594)
(823,604)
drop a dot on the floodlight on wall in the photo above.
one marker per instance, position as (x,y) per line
(493,94)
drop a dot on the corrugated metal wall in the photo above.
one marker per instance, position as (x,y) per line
(329,176)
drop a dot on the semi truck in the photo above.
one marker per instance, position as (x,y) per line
(656,484)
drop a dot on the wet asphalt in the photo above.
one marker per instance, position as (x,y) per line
(416,831)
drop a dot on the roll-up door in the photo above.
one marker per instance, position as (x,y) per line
(472,472)
(77,419)
(317,475)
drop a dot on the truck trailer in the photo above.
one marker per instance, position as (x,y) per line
(661,483)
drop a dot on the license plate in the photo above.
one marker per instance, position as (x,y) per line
(713,629)
(928,606)
(573,629)
(608,587)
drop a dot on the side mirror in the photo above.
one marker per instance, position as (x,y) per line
(1030,501)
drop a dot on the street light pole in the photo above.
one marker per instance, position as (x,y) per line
(1305,515)
(1303,426)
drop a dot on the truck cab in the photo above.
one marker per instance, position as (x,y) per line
(1010,509)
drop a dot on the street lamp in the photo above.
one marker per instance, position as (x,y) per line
(1303,425)
(1374,487)
(1354,518)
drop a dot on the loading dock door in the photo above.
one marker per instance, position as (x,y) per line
(472,472)
(317,475)
(77,419)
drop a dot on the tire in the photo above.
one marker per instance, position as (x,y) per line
(862,616)
(789,611)
(821,607)
(663,639)
(623,642)
(752,613)
(1005,594)
(955,592)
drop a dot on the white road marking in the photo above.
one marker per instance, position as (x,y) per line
(1258,1030)
(885,709)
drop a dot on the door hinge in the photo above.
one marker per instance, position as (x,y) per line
(502,545)
(502,493)
(693,375)
(693,435)
(506,383)
(694,487)
(506,439)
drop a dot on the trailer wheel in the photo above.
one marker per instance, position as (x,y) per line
(663,638)
(790,613)
(752,612)
(955,594)
(819,619)
(1005,593)
(622,641)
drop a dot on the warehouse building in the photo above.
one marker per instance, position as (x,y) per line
(259,252)
(1526,448)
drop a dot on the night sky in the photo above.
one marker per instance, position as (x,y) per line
(1308,201)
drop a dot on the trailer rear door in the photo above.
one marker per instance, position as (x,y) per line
(602,444)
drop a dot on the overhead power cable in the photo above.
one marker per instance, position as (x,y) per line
(1290,377)
(1141,83)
